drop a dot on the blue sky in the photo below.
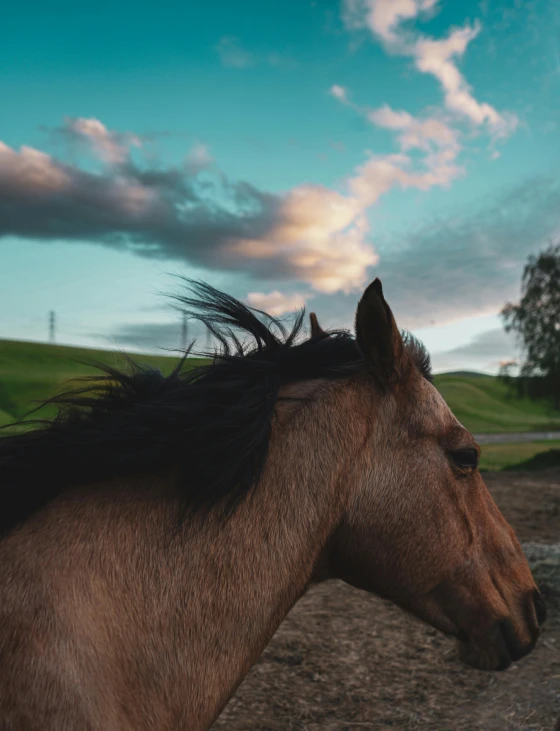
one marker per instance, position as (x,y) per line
(288,152)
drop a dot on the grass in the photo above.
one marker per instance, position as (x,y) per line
(520,455)
(34,371)
(484,405)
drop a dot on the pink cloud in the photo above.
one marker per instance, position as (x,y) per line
(32,170)
(232,53)
(430,56)
(339,92)
(310,233)
(416,132)
(198,159)
(276,303)
(435,57)
(384,16)
(321,234)
(108,146)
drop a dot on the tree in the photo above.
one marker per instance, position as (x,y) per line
(536,322)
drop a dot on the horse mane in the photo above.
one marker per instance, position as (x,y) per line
(211,424)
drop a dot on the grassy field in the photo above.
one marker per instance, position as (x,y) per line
(484,404)
(518,454)
(32,371)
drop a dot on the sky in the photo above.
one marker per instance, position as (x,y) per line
(286,151)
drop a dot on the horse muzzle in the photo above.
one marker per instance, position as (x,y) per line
(506,643)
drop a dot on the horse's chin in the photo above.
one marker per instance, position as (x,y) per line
(487,657)
(500,650)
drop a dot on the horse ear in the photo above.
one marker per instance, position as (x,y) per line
(378,336)
(316,329)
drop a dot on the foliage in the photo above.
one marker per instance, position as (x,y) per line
(536,322)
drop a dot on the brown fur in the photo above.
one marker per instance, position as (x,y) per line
(113,621)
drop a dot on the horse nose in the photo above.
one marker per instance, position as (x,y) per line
(540,607)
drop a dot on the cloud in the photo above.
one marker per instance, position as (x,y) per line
(462,263)
(111,147)
(383,16)
(156,337)
(435,57)
(198,159)
(339,92)
(437,140)
(469,263)
(188,213)
(381,173)
(438,58)
(323,236)
(487,351)
(194,213)
(276,303)
(233,55)
(149,335)
(416,132)
(435,136)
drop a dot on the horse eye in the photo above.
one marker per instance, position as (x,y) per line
(467,459)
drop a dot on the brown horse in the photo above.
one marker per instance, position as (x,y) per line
(157,532)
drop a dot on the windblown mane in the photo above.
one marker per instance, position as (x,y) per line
(212,423)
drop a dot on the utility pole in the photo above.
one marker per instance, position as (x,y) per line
(184,332)
(51,326)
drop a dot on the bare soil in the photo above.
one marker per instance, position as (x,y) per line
(345,660)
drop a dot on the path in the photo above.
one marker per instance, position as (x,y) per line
(534,436)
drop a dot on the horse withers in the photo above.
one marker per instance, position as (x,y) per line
(159,529)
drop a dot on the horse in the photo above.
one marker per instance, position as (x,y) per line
(157,531)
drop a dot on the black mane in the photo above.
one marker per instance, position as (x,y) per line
(212,422)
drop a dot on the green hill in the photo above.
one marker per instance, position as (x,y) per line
(484,404)
(34,371)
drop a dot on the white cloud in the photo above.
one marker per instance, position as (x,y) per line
(383,16)
(435,57)
(415,132)
(310,233)
(339,92)
(31,170)
(486,351)
(232,53)
(379,174)
(198,159)
(435,138)
(430,56)
(321,234)
(276,303)
(438,134)
(108,146)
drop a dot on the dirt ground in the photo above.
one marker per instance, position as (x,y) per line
(345,660)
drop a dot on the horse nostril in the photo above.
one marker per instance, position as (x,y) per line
(540,607)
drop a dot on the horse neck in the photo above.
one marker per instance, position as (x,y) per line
(243,577)
(161,627)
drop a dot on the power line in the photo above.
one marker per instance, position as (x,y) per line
(184,332)
(52,317)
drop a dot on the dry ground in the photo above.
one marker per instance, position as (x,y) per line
(345,660)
